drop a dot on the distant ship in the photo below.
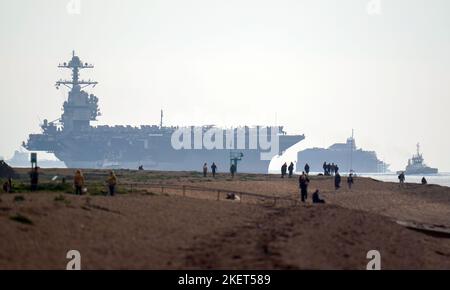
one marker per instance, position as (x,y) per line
(22,159)
(345,155)
(78,144)
(417,166)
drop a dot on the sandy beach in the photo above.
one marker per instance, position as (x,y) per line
(168,227)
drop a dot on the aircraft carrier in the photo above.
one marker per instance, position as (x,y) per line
(79,144)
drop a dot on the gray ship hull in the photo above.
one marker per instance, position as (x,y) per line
(420,171)
(191,162)
(133,147)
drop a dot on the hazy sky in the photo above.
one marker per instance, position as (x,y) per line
(318,67)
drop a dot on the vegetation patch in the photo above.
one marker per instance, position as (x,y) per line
(19,198)
(48,186)
(21,219)
(61,198)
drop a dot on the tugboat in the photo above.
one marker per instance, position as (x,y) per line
(416,165)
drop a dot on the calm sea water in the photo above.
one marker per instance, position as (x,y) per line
(440,179)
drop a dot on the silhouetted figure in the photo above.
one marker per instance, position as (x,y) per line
(112,182)
(307,168)
(232,170)
(34,176)
(316,198)
(401,178)
(7,186)
(328,169)
(350,180)
(213,169)
(324,168)
(303,182)
(205,169)
(141,167)
(337,181)
(336,169)
(283,170)
(291,169)
(78,182)
(424,181)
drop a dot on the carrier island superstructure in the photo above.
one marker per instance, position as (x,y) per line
(75,141)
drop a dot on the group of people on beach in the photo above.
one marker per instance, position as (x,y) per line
(214,169)
(303,182)
(330,169)
(401,179)
(285,169)
(78,181)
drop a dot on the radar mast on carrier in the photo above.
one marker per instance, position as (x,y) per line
(80,107)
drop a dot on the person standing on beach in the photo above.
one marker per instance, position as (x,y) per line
(307,168)
(337,181)
(303,182)
(34,176)
(78,182)
(213,169)
(283,170)
(232,170)
(112,181)
(350,180)
(401,178)
(291,169)
(205,169)
(7,186)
